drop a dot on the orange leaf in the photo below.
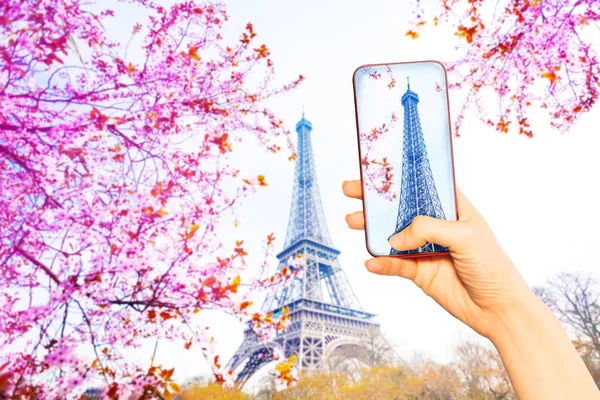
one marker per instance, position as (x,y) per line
(131,69)
(412,34)
(502,126)
(193,53)
(270,238)
(262,51)
(285,369)
(234,285)
(193,230)
(261,180)
(209,281)
(245,305)
(268,317)
(467,33)
(550,75)
(167,395)
(165,315)
(167,374)
(175,388)
(240,251)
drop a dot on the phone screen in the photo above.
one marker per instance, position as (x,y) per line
(405,148)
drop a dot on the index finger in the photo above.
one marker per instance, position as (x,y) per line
(353,189)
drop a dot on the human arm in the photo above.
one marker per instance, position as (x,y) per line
(478,284)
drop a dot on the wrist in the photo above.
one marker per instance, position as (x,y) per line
(534,347)
(526,314)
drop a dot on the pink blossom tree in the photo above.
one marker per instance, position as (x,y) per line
(525,53)
(514,56)
(114,175)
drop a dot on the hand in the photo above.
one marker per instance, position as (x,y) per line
(476,282)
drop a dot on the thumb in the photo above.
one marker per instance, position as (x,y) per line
(427,229)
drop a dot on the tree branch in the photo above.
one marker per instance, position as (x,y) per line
(30,258)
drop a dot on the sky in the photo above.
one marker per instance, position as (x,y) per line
(540,196)
(376,102)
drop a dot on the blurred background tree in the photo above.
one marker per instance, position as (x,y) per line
(482,372)
(477,373)
(573,297)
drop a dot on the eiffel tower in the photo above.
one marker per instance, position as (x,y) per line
(418,195)
(325,315)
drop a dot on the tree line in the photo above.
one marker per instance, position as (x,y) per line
(477,371)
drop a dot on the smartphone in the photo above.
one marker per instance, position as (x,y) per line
(405,150)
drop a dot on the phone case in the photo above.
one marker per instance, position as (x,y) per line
(405,150)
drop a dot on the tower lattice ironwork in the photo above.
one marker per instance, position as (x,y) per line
(325,315)
(418,195)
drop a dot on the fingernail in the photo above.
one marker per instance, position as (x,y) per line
(396,240)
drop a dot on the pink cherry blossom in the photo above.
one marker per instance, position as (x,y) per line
(519,54)
(513,56)
(115,173)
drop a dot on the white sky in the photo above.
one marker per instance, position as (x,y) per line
(376,102)
(540,196)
